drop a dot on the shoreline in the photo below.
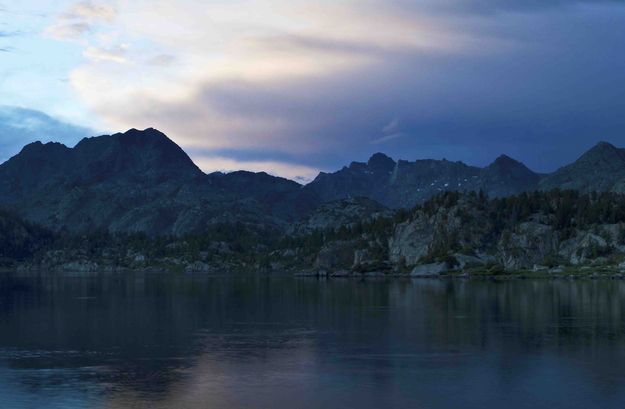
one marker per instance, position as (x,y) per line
(571,273)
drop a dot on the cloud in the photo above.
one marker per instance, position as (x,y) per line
(225,75)
(318,82)
(5,34)
(117,54)
(162,60)
(498,6)
(297,172)
(91,11)
(81,19)
(69,30)
(391,131)
(20,126)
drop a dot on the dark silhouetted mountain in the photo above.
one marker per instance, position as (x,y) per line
(138,181)
(141,181)
(506,177)
(404,183)
(602,168)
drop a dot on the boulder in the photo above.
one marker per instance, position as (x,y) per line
(411,241)
(429,270)
(197,267)
(528,245)
(465,261)
(585,246)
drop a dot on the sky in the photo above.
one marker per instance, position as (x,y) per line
(295,87)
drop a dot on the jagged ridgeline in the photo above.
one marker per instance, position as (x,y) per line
(136,199)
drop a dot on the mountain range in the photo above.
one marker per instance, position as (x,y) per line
(141,181)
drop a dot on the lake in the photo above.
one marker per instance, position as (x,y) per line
(171,341)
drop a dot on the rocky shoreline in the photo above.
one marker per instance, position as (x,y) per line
(587,272)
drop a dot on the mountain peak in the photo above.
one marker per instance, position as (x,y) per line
(600,168)
(604,145)
(148,132)
(147,154)
(48,150)
(506,176)
(506,162)
(601,147)
(504,158)
(381,162)
(603,153)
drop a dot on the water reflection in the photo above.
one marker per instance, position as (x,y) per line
(159,341)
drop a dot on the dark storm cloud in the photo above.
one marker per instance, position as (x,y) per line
(544,100)
(464,80)
(494,6)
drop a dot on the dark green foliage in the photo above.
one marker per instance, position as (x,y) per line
(621,234)
(563,209)
(20,240)
(483,223)
(554,260)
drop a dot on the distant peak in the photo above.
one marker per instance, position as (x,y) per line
(379,156)
(39,146)
(505,165)
(381,162)
(506,160)
(146,132)
(503,160)
(33,144)
(604,150)
(604,145)
(133,136)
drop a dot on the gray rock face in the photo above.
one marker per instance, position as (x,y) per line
(585,246)
(445,231)
(411,241)
(528,245)
(467,261)
(340,213)
(464,235)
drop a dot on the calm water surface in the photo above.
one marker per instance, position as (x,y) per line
(157,341)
